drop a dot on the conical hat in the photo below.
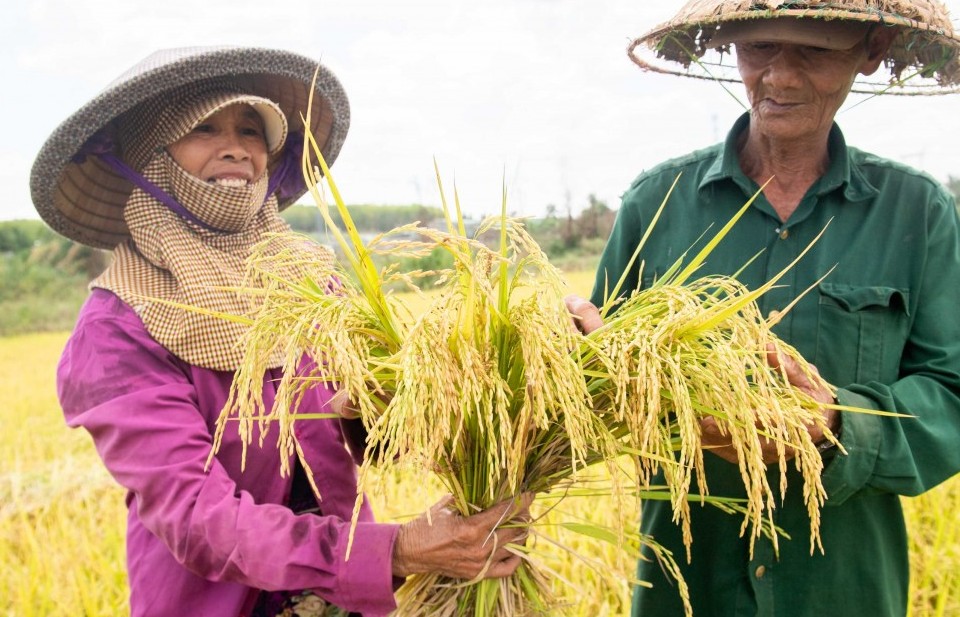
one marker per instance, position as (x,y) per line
(923,59)
(83,198)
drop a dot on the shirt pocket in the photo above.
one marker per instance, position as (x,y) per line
(860,332)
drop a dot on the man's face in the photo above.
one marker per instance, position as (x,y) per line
(228,148)
(796,90)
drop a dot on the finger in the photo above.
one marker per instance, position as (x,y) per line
(790,367)
(585,315)
(443,508)
(512,534)
(501,554)
(773,355)
(502,512)
(504,568)
(783,363)
(501,563)
(445,502)
(713,440)
(805,379)
(521,511)
(340,404)
(710,430)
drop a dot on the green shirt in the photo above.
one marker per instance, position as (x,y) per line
(884,326)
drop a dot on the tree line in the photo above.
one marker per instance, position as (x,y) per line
(43,276)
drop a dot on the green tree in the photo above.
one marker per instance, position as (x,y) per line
(596,219)
(22,235)
(367,218)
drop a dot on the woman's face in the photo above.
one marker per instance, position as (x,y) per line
(796,90)
(228,148)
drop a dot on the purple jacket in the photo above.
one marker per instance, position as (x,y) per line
(202,543)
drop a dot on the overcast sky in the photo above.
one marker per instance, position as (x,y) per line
(539,93)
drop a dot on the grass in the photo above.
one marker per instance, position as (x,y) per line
(33,313)
(61,516)
(62,519)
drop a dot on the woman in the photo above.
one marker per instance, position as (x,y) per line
(180,167)
(882,324)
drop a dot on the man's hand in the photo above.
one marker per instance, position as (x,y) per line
(713,441)
(584,315)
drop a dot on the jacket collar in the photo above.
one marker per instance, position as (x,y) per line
(841,175)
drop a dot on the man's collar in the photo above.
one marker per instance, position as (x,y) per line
(840,173)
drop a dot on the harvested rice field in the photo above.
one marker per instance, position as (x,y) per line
(62,518)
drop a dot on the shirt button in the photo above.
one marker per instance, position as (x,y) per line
(784,234)
(761,570)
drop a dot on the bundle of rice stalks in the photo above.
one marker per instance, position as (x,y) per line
(484,388)
(684,349)
(491,389)
(494,391)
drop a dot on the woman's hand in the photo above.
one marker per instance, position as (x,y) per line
(463,547)
(342,405)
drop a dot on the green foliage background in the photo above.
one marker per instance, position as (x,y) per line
(44,276)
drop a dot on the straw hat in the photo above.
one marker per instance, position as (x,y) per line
(924,57)
(82,197)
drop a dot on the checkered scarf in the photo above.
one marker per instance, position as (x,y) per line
(171,259)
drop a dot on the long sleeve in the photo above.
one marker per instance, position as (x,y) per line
(908,456)
(151,417)
(883,326)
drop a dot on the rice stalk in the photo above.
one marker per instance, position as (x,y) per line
(666,372)
(492,390)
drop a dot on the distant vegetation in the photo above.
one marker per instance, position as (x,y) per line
(43,276)
(954,185)
(368,218)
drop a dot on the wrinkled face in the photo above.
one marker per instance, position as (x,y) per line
(796,90)
(228,148)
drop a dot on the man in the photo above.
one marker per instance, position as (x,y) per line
(884,326)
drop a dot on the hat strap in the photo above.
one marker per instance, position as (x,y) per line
(285,178)
(101,145)
(153,190)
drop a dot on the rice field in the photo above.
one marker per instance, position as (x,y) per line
(62,518)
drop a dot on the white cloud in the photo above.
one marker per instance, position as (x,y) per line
(15,173)
(537,92)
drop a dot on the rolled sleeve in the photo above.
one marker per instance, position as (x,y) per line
(846,474)
(366,580)
(151,418)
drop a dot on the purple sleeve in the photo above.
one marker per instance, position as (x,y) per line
(139,405)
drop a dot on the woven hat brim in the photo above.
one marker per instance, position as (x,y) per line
(84,201)
(834,34)
(927,44)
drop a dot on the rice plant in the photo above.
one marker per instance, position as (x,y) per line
(491,389)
